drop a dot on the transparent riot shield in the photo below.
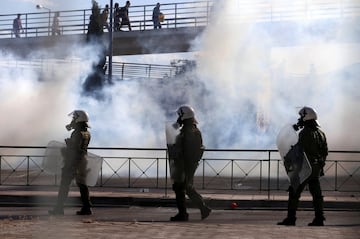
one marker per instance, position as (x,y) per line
(296,163)
(53,162)
(171,133)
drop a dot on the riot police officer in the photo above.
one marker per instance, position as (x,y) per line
(312,141)
(187,152)
(75,164)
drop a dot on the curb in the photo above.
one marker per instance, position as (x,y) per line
(221,204)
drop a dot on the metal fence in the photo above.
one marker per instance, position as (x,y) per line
(121,70)
(129,71)
(220,169)
(188,14)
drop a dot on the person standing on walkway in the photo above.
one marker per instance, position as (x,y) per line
(104,17)
(124,14)
(312,141)
(187,152)
(116,17)
(75,164)
(17,26)
(56,25)
(156,16)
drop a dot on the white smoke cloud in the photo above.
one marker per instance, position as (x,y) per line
(37,96)
(244,90)
(252,71)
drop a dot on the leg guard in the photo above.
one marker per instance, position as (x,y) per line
(62,195)
(182,215)
(85,199)
(198,200)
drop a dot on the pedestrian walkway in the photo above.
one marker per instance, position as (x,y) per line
(144,213)
(109,197)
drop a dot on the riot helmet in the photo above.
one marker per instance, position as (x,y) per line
(308,116)
(308,113)
(185,112)
(79,116)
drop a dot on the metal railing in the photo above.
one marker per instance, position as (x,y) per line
(129,71)
(121,70)
(220,169)
(190,14)
(76,21)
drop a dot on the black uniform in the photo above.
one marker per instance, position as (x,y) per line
(313,142)
(188,150)
(75,166)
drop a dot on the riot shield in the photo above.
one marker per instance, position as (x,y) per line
(53,162)
(175,168)
(296,163)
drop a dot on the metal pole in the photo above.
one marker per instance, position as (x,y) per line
(232,175)
(269,176)
(166,172)
(111,41)
(49,23)
(129,175)
(0,170)
(27,170)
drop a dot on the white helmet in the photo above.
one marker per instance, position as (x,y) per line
(308,113)
(185,112)
(78,116)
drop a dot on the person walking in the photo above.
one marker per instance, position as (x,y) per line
(55,30)
(116,17)
(312,141)
(124,14)
(156,16)
(186,153)
(17,26)
(104,17)
(75,164)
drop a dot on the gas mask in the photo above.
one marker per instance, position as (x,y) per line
(73,121)
(299,124)
(79,116)
(178,123)
(71,125)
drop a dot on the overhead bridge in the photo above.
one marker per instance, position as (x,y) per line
(183,23)
(124,43)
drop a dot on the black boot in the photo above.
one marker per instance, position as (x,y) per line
(318,220)
(205,212)
(84,211)
(180,217)
(319,212)
(85,199)
(290,219)
(179,190)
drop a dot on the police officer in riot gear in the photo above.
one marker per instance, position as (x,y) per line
(75,164)
(312,140)
(187,152)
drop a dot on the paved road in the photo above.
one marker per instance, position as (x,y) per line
(153,222)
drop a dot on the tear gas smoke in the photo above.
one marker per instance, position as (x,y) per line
(245,88)
(251,70)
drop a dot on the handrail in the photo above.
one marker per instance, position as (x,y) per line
(196,13)
(121,70)
(220,169)
(76,21)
